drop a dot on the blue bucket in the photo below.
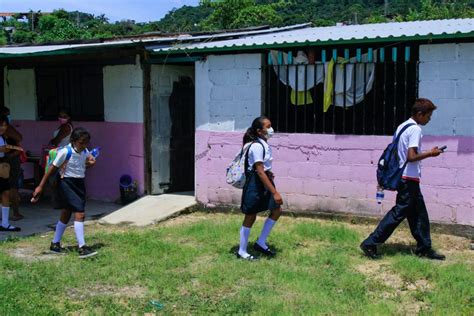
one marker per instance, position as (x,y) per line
(126,181)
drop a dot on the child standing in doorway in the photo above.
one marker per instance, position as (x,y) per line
(69,167)
(259,192)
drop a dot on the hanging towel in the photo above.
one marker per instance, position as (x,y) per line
(301,97)
(328,85)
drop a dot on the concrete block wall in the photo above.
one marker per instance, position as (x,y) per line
(337,173)
(228,92)
(447,78)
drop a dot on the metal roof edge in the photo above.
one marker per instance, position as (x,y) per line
(456,35)
(67,51)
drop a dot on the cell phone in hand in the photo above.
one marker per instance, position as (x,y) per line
(443,148)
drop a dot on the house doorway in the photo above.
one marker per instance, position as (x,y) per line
(173,128)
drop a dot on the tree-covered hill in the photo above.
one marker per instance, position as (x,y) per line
(212,15)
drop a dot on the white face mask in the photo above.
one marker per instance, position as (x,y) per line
(269,133)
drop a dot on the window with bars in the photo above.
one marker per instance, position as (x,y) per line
(359,91)
(78,89)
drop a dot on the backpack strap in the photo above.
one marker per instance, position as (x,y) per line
(247,153)
(396,137)
(68,156)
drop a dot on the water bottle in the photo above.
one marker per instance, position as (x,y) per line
(95,152)
(379,195)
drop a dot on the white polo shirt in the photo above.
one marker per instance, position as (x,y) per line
(76,166)
(255,154)
(411,138)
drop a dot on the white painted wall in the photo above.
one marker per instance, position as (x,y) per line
(123,93)
(447,78)
(228,92)
(162,78)
(20,93)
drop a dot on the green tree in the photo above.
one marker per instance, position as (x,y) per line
(59,29)
(230,14)
(430,10)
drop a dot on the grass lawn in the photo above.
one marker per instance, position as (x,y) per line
(187,264)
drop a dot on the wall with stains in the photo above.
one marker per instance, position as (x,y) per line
(120,135)
(337,173)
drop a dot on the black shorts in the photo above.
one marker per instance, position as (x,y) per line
(4,185)
(15,171)
(71,194)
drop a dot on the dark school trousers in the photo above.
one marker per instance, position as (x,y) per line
(409,205)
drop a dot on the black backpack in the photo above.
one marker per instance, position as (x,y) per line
(389,172)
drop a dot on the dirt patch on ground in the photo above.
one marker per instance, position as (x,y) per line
(107,290)
(397,288)
(184,220)
(30,254)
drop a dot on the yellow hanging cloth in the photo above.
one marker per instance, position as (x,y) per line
(301,97)
(328,86)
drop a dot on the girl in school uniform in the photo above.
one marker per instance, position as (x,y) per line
(5,174)
(259,192)
(70,168)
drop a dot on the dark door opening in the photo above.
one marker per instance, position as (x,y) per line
(182,109)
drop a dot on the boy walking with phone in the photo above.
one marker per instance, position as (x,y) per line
(410,203)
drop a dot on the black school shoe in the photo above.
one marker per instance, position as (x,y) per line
(55,247)
(430,254)
(370,251)
(10,228)
(86,252)
(267,252)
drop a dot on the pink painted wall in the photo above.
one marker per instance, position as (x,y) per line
(337,173)
(121,153)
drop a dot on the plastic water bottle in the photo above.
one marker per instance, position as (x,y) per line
(95,152)
(379,195)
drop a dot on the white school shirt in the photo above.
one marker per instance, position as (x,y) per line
(411,137)
(255,154)
(76,166)
(2,143)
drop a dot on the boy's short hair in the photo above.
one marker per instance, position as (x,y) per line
(3,119)
(78,133)
(423,105)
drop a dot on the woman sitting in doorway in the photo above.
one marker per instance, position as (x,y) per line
(62,134)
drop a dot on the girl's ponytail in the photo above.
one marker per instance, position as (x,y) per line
(251,134)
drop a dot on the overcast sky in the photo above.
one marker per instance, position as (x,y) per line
(115,10)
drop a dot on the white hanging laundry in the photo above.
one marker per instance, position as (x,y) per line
(359,81)
(292,72)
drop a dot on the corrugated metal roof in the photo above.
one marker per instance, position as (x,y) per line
(162,41)
(346,33)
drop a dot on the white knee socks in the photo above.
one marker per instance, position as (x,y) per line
(5,215)
(79,229)
(267,228)
(58,234)
(244,240)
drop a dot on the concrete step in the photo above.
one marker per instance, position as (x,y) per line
(151,209)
